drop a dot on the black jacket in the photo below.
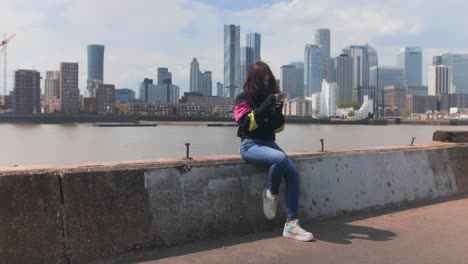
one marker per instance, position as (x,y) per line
(258,120)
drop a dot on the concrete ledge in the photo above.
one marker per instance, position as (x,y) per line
(108,209)
(451,136)
(115,208)
(31,223)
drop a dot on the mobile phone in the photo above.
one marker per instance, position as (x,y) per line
(281,96)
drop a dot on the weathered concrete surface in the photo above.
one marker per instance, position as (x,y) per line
(450,136)
(107,213)
(116,208)
(431,234)
(459,163)
(30,217)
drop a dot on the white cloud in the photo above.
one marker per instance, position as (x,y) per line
(144,34)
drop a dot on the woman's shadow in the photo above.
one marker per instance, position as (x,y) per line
(340,232)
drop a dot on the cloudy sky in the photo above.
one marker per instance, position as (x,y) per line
(141,35)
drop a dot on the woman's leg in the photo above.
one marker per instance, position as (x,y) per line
(264,155)
(292,191)
(291,178)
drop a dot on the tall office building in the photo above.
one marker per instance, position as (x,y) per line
(395,100)
(373,57)
(51,87)
(300,77)
(329,99)
(164,76)
(288,81)
(27,92)
(69,91)
(312,69)
(360,92)
(105,99)
(145,87)
(332,70)
(437,60)
(382,76)
(199,82)
(344,77)
(95,68)
(194,75)
(440,80)
(360,57)
(206,83)
(162,93)
(322,39)
(244,66)
(219,89)
(124,95)
(420,90)
(253,48)
(410,59)
(232,60)
(459,66)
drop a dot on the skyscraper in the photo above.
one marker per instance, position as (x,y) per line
(360,57)
(459,67)
(440,80)
(300,77)
(232,60)
(219,89)
(206,83)
(410,59)
(199,82)
(312,69)
(163,93)
(344,77)
(253,48)
(27,99)
(95,68)
(332,70)
(373,57)
(244,66)
(145,88)
(322,39)
(51,87)
(69,91)
(194,75)
(382,76)
(288,81)
(164,76)
(437,60)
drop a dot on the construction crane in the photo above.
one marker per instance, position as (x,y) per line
(4,51)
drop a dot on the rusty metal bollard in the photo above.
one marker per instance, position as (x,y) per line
(187,145)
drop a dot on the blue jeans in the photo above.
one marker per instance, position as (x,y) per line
(269,154)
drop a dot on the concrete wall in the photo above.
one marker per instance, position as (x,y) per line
(31,219)
(113,208)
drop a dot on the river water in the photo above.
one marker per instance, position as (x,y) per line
(73,144)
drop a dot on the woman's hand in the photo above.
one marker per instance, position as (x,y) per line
(279,100)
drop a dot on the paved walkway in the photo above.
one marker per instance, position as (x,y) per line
(430,234)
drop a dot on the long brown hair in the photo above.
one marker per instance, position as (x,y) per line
(254,85)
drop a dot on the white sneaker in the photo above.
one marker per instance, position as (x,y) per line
(292,229)
(270,202)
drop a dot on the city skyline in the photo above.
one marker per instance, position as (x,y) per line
(44,38)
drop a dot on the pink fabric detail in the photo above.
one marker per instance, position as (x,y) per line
(241,109)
